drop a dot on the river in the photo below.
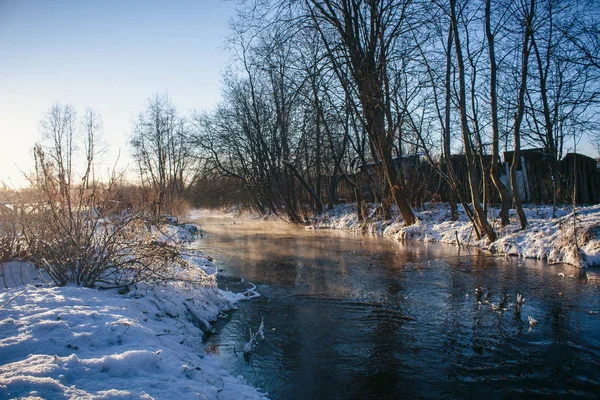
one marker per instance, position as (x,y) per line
(357,316)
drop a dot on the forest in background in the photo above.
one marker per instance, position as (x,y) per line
(324,93)
(321,88)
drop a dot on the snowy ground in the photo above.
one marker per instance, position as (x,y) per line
(79,343)
(545,238)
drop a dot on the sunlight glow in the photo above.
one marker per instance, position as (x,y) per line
(110,57)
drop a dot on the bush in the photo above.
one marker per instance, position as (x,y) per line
(91,247)
(88,237)
(8,233)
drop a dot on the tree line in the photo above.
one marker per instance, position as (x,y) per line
(319,89)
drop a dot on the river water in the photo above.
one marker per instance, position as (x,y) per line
(356,316)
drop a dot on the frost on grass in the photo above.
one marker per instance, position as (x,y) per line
(571,239)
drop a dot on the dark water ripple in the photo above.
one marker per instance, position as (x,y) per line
(350,316)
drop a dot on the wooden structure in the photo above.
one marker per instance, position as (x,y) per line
(423,183)
(534,175)
(580,176)
(535,179)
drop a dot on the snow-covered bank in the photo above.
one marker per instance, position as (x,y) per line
(545,238)
(79,343)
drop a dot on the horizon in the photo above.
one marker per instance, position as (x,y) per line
(110,57)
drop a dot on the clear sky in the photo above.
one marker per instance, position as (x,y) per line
(108,55)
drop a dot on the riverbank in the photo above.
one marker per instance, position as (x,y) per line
(570,239)
(73,342)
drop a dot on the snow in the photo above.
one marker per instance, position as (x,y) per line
(546,238)
(16,273)
(80,343)
(177,233)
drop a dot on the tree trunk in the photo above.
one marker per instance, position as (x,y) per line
(447,102)
(519,116)
(472,170)
(495,167)
(372,102)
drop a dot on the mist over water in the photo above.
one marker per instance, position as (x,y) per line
(355,316)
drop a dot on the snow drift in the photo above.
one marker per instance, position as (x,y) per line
(569,238)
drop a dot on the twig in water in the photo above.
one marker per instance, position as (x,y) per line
(253,338)
(457,241)
(251,292)
(532,322)
(469,239)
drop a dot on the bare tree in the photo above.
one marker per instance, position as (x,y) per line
(93,145)
(482,224)
(160,148)
(360,36)
(314,78)
(526,12)
(495,167)
(58,129)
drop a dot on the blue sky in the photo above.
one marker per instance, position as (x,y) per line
(108,55)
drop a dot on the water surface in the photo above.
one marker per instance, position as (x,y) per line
(355,316)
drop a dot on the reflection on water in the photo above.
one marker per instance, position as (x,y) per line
(352,316)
